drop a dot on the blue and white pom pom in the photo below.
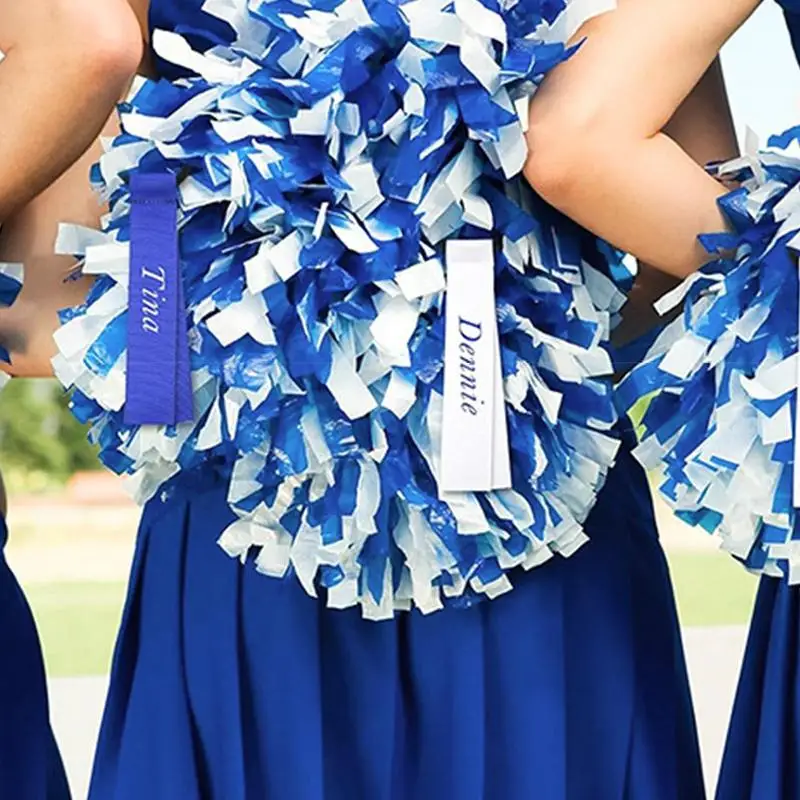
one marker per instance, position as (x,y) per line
(325,158)
(723,378)
(11,277)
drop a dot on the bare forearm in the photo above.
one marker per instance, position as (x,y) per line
(657,218)
(597,141)
(703,128)
(26,329)
(67,63)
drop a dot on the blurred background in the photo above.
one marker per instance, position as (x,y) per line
(73,526)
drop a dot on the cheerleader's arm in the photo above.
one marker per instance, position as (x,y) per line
(29,237)
(66,64)
(597,147)
(703,125)
(703,128)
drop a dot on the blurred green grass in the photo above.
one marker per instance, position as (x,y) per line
(78,621)
(77,625)
(711,589)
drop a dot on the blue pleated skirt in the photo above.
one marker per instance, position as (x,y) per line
(30,765)
(228,685)
(762,754)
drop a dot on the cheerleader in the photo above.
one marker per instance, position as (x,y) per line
(309,615)
(49,50)
(760,759)
(722,379)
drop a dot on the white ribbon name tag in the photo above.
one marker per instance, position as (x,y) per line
(475,455)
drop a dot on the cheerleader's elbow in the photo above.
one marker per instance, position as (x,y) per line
(556,158)
(113,45)
(99,41)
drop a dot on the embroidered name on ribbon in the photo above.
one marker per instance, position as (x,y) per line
(475,453)
(158,382)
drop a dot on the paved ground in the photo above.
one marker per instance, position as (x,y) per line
(76,705)
(714,655)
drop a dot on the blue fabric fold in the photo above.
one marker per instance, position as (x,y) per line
(571,687)
(30,764)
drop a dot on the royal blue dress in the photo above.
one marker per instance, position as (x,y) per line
(30,764)
(761,752)
(229,685)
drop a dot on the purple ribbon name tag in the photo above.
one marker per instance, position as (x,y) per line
(158,383)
